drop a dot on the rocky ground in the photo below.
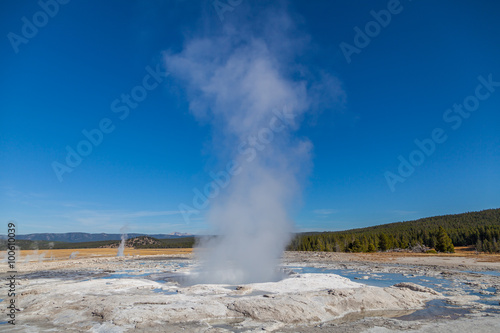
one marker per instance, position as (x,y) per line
(376,293)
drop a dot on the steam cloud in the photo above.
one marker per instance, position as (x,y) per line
(121,248)
(243,81)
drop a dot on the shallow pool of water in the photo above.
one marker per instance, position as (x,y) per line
(493,273)
(436,309)
(124,276)
(383,279)
(164,292)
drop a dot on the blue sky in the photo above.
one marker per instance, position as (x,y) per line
(395,89)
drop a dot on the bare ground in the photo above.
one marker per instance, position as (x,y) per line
(474,310)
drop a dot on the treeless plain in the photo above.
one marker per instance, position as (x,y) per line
(98,252)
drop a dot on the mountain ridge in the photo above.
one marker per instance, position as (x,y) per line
(77,237)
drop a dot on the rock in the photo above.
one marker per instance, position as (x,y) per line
(416,287)
(462,300)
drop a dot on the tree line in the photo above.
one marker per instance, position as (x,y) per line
(438,233)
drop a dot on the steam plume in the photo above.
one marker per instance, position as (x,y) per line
(121,248)
(242,80)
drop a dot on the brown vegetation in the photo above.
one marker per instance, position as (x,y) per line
(97,252)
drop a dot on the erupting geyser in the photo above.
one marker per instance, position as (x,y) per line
(243,81)
(121,248)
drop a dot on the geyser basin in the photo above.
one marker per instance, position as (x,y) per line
(57,295)
(138,303)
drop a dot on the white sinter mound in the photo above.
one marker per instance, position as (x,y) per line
(134,303)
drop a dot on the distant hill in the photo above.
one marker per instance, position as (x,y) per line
(147,242)
(139,242)
(479,229)
(78,237)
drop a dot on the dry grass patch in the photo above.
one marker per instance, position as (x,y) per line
(93,253)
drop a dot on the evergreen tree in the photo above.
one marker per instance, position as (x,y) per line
(486,245)
(383,242)
(320,246)
(444,243)
(356,246)
(432,242)
(371,247)
(479,246)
